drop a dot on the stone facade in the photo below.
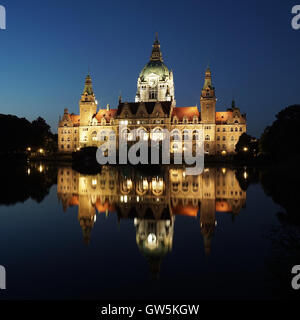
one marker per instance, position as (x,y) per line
(154,109)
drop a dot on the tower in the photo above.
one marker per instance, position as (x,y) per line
(208,100)
(87,103)
(155,82)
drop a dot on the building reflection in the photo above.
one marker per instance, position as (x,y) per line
(152,201)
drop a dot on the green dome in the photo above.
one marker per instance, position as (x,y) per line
(157,67)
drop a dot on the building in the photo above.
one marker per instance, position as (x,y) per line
(154,109)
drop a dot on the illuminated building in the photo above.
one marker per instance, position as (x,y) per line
(155,109)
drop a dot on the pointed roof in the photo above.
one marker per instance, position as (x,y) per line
(156,53)
(88,86)
(207,81)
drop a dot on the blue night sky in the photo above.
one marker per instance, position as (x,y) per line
(48,47)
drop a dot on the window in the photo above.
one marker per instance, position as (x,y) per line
(241,129)
(236,129)
(218,138)
(224,138)
(224,129)
(207,138)
(185,135)
(218,129)
(94,136)
(153,94)
(176,136)
(231,129)
(195,135)
(62,146)
(232,138)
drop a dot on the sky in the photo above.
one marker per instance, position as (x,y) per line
(49,46)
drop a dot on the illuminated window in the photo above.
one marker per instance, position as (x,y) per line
(153,94)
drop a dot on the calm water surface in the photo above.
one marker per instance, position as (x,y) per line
(129,233)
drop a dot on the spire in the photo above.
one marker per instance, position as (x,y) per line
(233,104)
(156,53)
(207,82)
(88,87)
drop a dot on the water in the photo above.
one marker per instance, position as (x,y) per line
(137,234)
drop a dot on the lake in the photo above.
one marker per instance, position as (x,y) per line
(148,233)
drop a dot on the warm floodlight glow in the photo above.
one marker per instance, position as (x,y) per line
(245,149)
(151,238)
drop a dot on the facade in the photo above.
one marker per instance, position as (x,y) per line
(154,109)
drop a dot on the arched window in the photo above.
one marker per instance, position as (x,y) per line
(236,129)
(103,136)
(195,135)
(94,136)
(157,134)
(112,136)
(207,138)
(185,135)
(125,135)
(175,134)
(153,94)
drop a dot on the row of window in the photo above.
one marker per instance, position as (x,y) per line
(67,131)
(224,138)
(231,129)
(67,147)
(68,139)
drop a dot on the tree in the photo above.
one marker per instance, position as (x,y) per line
(247,145)
(280,140)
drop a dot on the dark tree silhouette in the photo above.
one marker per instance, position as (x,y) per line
(280,140)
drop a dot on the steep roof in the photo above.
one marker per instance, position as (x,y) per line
(133,106)
(75,118)
(188,112)
(106,114)
(223,116)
